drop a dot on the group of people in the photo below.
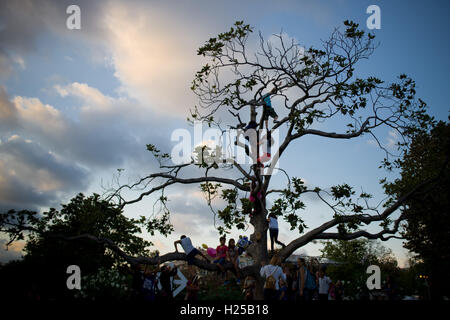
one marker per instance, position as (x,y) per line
(224,253)
(148,286)
(301,283)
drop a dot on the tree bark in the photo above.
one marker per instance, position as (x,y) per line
(258,249)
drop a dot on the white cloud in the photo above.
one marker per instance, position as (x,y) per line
(19,61)
(91,97)
(154,60)
(32,113)
(13,137)
(392,139)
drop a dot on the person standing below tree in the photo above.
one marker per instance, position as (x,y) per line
(167,272)
(249,288)
(273,232)
(289,282)
(305,280)
(192,288)
(339,291)
(324,285)
(272,273)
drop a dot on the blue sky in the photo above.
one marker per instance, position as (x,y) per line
(78,104)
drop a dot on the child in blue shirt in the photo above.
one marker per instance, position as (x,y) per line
(268,110)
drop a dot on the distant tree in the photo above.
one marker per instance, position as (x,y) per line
(74,235)
(353,257)
(427,225)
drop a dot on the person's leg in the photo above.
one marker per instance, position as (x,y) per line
(273,114)
(221,263)
(275,236)
(190,260)
(280,243)
(203,255)
(217,263)
(226,273)
(236,266)
(271,233)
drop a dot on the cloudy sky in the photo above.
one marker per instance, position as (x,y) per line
(76,105)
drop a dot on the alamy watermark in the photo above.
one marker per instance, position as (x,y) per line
(74,280)
(374,280)
(374,20)
(74,20)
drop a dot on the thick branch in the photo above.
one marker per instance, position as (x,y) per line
(318,233)
(172,256)
(173,179)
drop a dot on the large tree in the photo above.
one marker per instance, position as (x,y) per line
(313,87)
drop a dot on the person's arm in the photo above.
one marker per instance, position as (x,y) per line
(175,244)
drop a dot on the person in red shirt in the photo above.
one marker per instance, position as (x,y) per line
(221,255)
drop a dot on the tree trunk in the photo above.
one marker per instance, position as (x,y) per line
(258,248)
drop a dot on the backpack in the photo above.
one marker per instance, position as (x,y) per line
(310,283)
(270,282)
